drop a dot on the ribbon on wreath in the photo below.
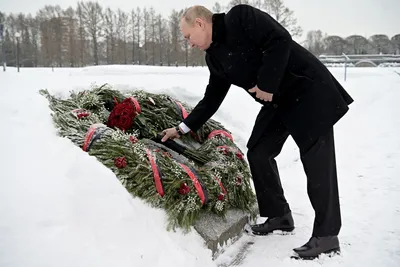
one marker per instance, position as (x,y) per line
(184,114)
(197,182)
(137,105)
(157,175)
(220,132)
(95,132)
(182,109)
(221,186)
(226,149)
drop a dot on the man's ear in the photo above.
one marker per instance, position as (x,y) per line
(200,22)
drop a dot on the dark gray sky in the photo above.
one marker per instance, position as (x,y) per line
(340,17)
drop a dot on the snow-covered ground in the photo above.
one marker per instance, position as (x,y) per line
(60,207)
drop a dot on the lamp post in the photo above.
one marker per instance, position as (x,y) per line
(17,36)
(345,65)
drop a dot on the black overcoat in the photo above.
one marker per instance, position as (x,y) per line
(250,48)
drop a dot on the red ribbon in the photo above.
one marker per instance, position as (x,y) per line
(137,105)
(222,187)
(88,137)
(183,110)
(184,115)
(196,183)
(156,174)
(95,132)
(220,132)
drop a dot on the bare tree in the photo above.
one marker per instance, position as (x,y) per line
(133,34)
(282,14)
(161,37)
(34,27)
(146,23)
(122,29)
(25,50)
(233,3)
(93,19)
(176,38)
(2,17)
(315,42)
(335,45)
(138,23)
(381,44)
(48,42)
(197,57)
(169,49)
(357,44)
(153,23)
(60,31)
(396,43)
(217,8)
(83,39)
(70,39)
(53,29)
(109,28)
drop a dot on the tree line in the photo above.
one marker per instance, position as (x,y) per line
(319,43)
(89,34)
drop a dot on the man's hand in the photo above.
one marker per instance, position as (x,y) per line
(170,133)
(261,94)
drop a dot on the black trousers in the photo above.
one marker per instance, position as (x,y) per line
(319,164)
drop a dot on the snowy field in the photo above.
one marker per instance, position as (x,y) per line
(60,207)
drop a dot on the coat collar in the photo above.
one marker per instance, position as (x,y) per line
(218,30)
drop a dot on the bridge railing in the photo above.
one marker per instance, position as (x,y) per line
(355,60)
(375,58)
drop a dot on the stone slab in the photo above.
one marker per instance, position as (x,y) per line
(217,232)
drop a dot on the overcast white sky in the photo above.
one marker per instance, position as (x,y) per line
(340,17)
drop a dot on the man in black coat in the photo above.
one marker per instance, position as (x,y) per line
(299,97)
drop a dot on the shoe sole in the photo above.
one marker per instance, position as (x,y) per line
(330,253)
(285,230)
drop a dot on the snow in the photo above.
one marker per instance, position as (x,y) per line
(60,207)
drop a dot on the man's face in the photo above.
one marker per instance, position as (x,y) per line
(196,34)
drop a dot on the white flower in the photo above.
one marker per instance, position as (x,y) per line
(219,205)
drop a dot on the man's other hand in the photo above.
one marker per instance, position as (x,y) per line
(170,133)
(261,94)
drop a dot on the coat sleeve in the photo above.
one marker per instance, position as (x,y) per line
(215,93)
(269,36)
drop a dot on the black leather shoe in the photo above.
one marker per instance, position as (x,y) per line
(284,223)
(317,246)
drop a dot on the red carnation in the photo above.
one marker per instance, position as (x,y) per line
(120,162)
(167,154)
(239,155)
(122,115)
(80,113)
(221,197)
(224,150)
(133,139)
(184,189)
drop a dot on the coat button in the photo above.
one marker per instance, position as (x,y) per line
(275,105)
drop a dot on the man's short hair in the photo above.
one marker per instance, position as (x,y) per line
(194,12)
